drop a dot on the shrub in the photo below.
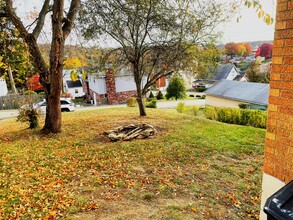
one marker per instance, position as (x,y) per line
(131,102)
(194,110)
(176,88)
(181,107)
(151,104)
(160,95)
(211,113)
(151,96)
(203,97)
(201,89)
(243,105)
(29,114)
(191,95)
(29,92)
(253,118)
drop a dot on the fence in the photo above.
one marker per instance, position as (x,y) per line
(15,101)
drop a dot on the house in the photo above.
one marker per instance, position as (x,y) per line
(111,88)
(228,93)
(3,87)
(223,72)
(74,88)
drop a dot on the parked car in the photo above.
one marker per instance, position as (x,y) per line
(66,105)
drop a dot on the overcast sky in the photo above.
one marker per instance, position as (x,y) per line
(249,27)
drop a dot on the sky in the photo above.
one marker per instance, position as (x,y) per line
(249,27)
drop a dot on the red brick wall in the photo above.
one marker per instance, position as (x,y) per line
(114,97)
(278,160)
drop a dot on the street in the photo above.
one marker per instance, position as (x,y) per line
(6,114)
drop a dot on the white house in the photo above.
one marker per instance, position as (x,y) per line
(72,87)
(110,87)
(3,87)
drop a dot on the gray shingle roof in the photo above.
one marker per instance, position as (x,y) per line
(223,71)
(255,93)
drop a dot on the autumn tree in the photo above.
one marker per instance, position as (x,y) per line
(15,65)
(248,49)
(204,59)
(231,49)
(241,49)
(153,36)
(265,50)
(50,76)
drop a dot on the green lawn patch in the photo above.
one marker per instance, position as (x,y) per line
(193,169)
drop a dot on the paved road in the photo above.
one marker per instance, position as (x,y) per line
(6,114)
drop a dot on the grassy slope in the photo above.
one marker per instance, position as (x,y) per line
(193,169)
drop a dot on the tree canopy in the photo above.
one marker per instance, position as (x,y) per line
(153,36)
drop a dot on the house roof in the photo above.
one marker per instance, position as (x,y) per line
(222,71)
(73,84)
(255,93)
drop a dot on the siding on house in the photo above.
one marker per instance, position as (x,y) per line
(3,87)
(253,93)
(221,102)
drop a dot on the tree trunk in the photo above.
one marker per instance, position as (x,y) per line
(140,102)
(53,110)
(137,79)
(13,88)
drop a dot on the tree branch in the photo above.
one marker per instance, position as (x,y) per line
(71,15)
(41,19)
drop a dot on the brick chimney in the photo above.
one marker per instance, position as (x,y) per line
(111,87)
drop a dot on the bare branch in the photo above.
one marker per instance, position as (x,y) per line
(71,15)
(41,19)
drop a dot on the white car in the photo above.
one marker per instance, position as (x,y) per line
(66,105)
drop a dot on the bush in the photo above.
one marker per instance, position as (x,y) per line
(243,105)
(151,104)
(160,95)
(191,95)
(176,88)
(201,89)
(193,110)
(203,97)
(29,92)
(253,118)
(131,102)
(211,113)
(151,96)
(29,114)
(181,107)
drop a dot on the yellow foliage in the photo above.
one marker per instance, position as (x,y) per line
(73,63)
(73,75)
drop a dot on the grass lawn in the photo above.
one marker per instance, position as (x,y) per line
(193,169)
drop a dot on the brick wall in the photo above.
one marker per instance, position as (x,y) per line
(114,97)
(278,160)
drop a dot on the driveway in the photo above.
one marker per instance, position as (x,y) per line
(6,114)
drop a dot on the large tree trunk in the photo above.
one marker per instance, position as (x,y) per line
(53,117)
(51,78)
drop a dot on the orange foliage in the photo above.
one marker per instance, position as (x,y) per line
(33,83)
